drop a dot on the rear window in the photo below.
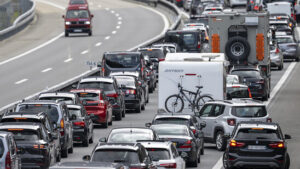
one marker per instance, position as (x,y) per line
(74,112)
(284,40)
(123,61)
(257,133)
(171,121)
(126,82)
(77,14)
(189,39)
(23,134)
(115,155)
(129,137)
(237,92)
(88,96)
(158,153)
(51,110)
(67,100)
(246,73)
(97,85)
(153,53)
(171,130)
(249,111)
(2,149)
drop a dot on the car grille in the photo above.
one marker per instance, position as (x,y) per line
(77,27)
(77,22)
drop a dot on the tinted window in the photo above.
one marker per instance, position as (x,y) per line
(189,39)
(249,111)
(171,130)
(2,149)
(23,134)
(128,82)
(129,137)
(153,53)
(51,110)
(232,80)
(88,96)
(77,2)
(205,111)
(237,92)
(254,134)
(246,73)
(67,100)
(157,153)
(171,121)
(125,156)
(96,85)
(75,112)
(77,14)
(123,61)
(284,40)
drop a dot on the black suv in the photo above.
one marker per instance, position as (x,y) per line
(59,116)
(258,82)
(188,40)
(36,118)
(257,144)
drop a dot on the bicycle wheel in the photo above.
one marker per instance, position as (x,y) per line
(202,100)
(174,104)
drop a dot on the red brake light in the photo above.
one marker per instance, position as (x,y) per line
(8,161)
(277,145)
(79,123)
(199,46)
(213,8)
(161,60)
(252,2)
(231,122)
(187,144)
(169,165)
(112,95)
(130,92)
(256,7)
(194,131)
(233,143)
(250,95)
(277,50)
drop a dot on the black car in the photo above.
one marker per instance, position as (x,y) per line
(151,74)
(87,165)
(58,114)
(132,155)
(83,129)
(194,7)
(42,118)
(134,95)
(36,148)
(188,40)
(183,138)
(289,47)
(110,88)
(255,79)
(257,145)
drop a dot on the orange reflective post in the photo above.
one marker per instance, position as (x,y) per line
(260,47)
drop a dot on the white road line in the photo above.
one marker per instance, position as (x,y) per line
(118,27)
(107,37)
(91,3)
(120,18)
(276,89)
(112,11)
(114,32)
(107,9)
(46,70)
(68,60)
(98,44)
(99,6)
(21,81)
(85,52)
(119,23)
(117,14)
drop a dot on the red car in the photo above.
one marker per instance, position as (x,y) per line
(96,105)
(78,19)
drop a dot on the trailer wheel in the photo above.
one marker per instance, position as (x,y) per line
(237,48)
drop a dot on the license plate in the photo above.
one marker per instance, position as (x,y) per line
(250,147)
(77,30)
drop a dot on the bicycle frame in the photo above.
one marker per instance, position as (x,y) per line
(191,101)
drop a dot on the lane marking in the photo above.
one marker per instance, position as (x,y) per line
(98,44)
(68,60)
(99,6)
(118,27)
(117,14)
(52,4)
(120,18)
(114,32)
(219,163)
(107,37)
(112,11)
(119,23)
(21,81)
(46,70)
(85,52)
(107,9)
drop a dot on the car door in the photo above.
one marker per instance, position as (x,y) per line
(53,131)
(216,113)
(205,117)
(13,152)
(87,121)
(50,142)
(68,124)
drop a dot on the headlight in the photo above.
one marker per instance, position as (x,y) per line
(87,22)
(68,23)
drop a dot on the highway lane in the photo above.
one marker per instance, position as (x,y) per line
(117,26)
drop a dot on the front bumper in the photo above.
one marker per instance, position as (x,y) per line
(78,30)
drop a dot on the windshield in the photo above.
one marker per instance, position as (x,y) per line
(74,112)
(125,156)
(129,137)
(153,53)
(77,14)
(51,110)
(249,111)
(171,121)
(23,134)
(232,79)
(257,133)
(158,153)
(96,85)
(123,61)
(246,73)
(284,40)
(237,92)
(67,100)
(128,82)
(77,2)
(171,130)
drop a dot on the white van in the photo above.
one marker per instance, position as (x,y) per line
(280,8)
(205,72)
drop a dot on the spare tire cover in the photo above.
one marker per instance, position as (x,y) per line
(237,48)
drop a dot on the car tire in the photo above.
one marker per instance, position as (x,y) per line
(90,33)
(194,163)
(202,150)
(297,59)
(91,140)
(64,153)
(58,157)
(287,161)
(118,116)
(110,123)
(151,89)
(66,34)
(85,142)
(105,124)
(280,67)
(124,112)
(70,150)
(225,165)
(138,109)
(237,48)
(143,106)
(220,141)
(265,98)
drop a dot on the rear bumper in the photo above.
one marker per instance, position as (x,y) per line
(258,93)
(191,155)
(131,103)
(34,161)
(290,55)
(79,135)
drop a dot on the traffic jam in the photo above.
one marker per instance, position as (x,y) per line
(213,78)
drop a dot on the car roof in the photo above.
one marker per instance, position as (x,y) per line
(97,79)
(74,106)
(235,85)
(127,146)
(122,52)
(48,102)
(265,125)
(78,7)
(86,165)
(86,90)
(132,130)
(167,44)
(20,125)
(173,115)
(155,144)
(32,115)
(170,125)
(238,102)
(183,31)
(58,94)
(124,73)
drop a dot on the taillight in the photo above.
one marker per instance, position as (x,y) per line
(293,16)
(256,8)
(112,95)
(269,120)
(7,161)
(161,60)
(169,165)
(37,146)
(277,145)
(199,46)
(79,123)
(130,92)
(231,122)
(261,81)
(277,50)
(178,0)
(187,144)
(250,95)
(194,131)
(234,143)
(62,123)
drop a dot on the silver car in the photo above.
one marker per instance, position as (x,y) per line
(187,4)
(233,3)
(276,57)
(9,157)
(164,154)
(221,117)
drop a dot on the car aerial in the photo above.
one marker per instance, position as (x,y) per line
(169,47)
(164,154)
(255,79)
(111,90)
(232,79)
(289,47)
(189,41)
(221,117)
(58,114)
(40,117)
(132,155)
(9,154)
(36,148)
(276,56)
(129,135)
(78,19)
(183,138)
(258,145)
(187,5)
(134,94)
(83,129)
(87,165)
(96,105)
(151,74)
(237,91)
(67,97)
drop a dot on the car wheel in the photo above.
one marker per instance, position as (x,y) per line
(280,67)
(110,123)
(105,124)
(194,163)
(151,89)
(64,153)
(118,116)
(66,34)
(91,140)
(202,150)
(225,164)
(220,141)
(71,149)
(124,112)
(90,33)
(85,142)
(265,98)
(143,106)
(199,158)
(297,59)
(287,161)
(58,157)
(138,109)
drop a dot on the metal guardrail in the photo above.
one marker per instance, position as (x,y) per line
(20,21)
(65,86)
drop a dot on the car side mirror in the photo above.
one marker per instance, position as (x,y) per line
(86,158)
(103,140)
(74,86)
(202,125)
(148,125)
(287,136)
(63,16)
